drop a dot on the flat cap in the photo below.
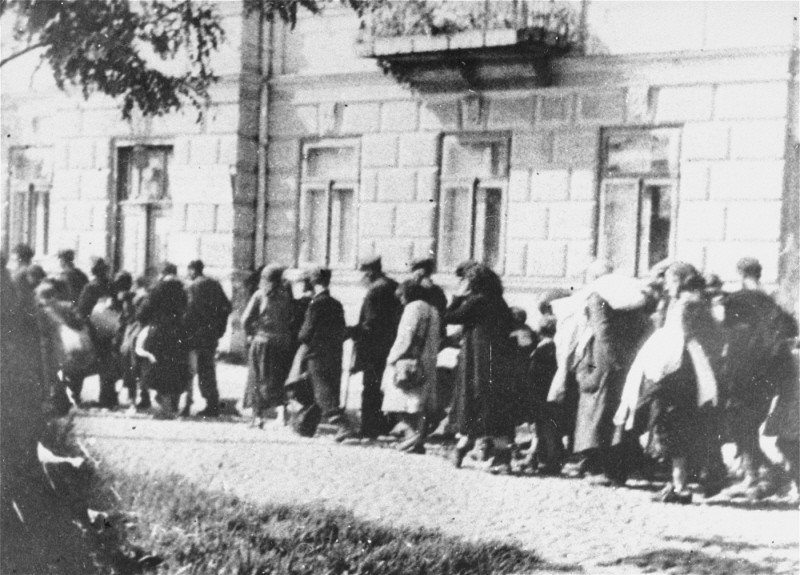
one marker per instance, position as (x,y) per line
(370,263)
(426,264)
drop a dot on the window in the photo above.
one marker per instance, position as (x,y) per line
(144,210)
(637,198)
(31,180)
(474,180)
(328,203)
(143,173)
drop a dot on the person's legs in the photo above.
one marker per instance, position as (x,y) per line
(207,381)
(373,422)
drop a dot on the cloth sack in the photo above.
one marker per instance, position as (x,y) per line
(105,320)
(407,374)
(77,350)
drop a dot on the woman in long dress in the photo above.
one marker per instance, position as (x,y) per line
(483,403)
(268,322)
(418,336)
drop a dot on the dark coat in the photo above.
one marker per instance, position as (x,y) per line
(167,297)
(483,402)
(75,281)
(92,293)
(323,332)
(167,341)
(601,370)
(206,313)
(758,364)
(377,325)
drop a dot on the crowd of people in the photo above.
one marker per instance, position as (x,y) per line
(154,338)
(617,378)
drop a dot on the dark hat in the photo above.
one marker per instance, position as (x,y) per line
(425,264)
(320,276)
(371,263)
(463,267)
(99,266)
(196,265)
(67,255)
(169,269)
(23,252)
(273,273)
(749,267)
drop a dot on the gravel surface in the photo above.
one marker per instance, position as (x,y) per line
(567,521)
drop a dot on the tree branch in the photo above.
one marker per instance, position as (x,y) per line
(30,48)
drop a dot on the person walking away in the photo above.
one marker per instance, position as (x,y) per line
(23,259)
(756,366)
(163,343)
(73,278)
(483,401)
(206,321)
(373,337)
(108,363)
(547,455)
(322,332)
(410,375)
(672,385)
(614,335)
(267,321)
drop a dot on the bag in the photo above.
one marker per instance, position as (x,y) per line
(407,374)
(79,353)
(105,320)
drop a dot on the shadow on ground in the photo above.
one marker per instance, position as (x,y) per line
(714,556)
(203,531)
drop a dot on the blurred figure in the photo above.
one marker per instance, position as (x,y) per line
(73,278)
(674,377)
(373,337)
(548,453)
(163,341)
(417,341)
(483,403)
(422,270)
(23,258)
(759,366)
(323,332)
(606,349)
(267,321)
(206,321)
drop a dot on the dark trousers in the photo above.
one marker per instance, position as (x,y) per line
(207,375)
(373,422)
(326,381)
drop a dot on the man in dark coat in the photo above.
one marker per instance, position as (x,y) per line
(206,321)
(759,366)
(602,367)
(373,337)
(73,278)
(323,332)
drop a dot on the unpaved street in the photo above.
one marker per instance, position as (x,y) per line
(566,520)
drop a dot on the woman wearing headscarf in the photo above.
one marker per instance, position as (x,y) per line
(483,403)
(268,322)
(417,342)
(672,386)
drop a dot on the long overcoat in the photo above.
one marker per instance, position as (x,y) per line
(418,337)
(483,402)
(601,369)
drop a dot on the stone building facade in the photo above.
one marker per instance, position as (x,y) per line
(674,138)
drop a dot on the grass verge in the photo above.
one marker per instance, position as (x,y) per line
(198,532)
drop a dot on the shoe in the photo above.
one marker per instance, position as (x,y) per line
(599,479)
(739,490)
(501,463)
(417,449)
(344,434)
(186,411)
(460,452)
(669,495)
(208,412)
(553,470)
